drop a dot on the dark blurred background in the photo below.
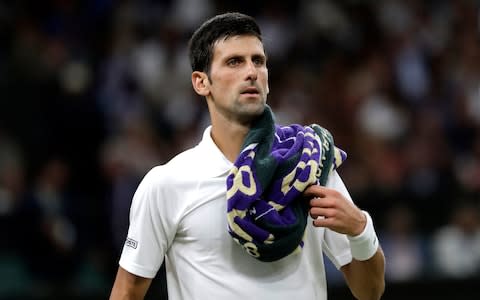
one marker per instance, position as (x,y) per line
(95,93)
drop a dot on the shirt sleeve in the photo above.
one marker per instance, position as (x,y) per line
(336,245)
(149,232)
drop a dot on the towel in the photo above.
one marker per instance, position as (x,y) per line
(266,212)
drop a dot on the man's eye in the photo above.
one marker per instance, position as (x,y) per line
(258,61)
(233,62)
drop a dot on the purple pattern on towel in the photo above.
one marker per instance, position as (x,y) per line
(289,141)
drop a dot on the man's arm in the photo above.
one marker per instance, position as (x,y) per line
(365,275)
(366,278)
(128,286)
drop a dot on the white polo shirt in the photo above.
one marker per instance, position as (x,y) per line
(179,213)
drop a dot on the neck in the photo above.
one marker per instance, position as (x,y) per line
(229,138)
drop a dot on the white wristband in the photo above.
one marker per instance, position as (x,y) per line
(364,245)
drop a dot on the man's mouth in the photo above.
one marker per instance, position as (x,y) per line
(251,90)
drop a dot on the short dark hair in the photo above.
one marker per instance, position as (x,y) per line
(202,42)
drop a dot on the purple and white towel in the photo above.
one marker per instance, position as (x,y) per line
(267,214)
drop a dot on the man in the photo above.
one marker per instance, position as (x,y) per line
(179,211)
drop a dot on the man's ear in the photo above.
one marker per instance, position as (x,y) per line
(200,83)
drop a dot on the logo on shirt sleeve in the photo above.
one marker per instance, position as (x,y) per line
(131,243)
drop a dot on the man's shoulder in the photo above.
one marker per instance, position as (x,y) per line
(204,160)
(180,165)
(185,158)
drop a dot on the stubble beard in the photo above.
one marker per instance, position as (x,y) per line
(246,113)
(241,111)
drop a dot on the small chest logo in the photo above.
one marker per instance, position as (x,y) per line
(131,243)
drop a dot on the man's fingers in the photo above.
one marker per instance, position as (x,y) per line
(322,202)
(317,191)
(322,222)
(316,212)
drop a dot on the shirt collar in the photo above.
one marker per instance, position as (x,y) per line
(218,164)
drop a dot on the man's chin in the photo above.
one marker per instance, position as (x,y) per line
(251,113)
(254,107)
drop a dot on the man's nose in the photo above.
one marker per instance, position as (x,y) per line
(252,71)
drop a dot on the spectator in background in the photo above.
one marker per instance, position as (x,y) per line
(14,277)
(12,193)
(405,249)
(456,246)
(52,236)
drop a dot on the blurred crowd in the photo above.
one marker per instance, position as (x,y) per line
(94,93)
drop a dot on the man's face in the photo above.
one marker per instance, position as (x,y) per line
(238,82)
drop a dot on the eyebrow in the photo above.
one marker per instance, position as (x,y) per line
(236,55)
(262,56)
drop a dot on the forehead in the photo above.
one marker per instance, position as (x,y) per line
(238,45)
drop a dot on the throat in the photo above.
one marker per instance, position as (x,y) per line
(229,140)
